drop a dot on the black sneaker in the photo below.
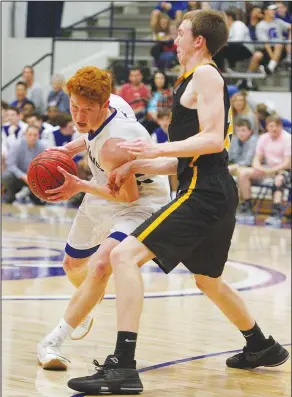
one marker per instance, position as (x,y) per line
(111,377)
(273,356)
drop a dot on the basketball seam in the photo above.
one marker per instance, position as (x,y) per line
(60,161)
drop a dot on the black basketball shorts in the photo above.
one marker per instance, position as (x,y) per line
(196,228)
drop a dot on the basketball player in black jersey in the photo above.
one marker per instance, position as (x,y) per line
(197,227)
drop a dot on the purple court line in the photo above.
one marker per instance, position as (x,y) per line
(276,278)
(183,360)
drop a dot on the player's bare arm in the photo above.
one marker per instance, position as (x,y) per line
(110,157)
(159,166)
(71,148)
(207,88)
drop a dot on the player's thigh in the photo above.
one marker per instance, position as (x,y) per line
(210,256)
(85,236)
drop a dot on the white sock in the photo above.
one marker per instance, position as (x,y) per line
(62,331)
(272,65)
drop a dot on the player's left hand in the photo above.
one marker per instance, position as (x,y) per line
(70,187)
(141,149)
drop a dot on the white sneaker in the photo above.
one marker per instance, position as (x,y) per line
(49,356)
(83,328)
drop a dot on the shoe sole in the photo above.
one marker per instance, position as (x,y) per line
(282,362)
(126,388)
(87,332)
(54,365)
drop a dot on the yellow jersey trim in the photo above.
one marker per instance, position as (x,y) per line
(170,209)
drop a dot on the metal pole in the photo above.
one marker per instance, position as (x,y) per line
(127,54)
(12,19)
(53,57)
(111,19)
(133,46)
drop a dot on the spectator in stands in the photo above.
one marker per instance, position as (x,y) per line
(162,28)
(64,131)
(272,159)
(13,129)
(161,95)
(242,110)
(242,148)
(160,134)
(238,6)
(194,5)
(164,52)
(234,51)
(174,9)
(57,97)
(136,93)
(27,108)
(269,29)
(20,93)
(18,159)
(4,107)
(111,75)
(34,90)
(45,129)
(283,12)
(262,113)
(256,15)
(52,115)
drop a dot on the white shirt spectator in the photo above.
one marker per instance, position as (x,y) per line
(271,31)
(240,32)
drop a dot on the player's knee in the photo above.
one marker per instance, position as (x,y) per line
(100,270)
(208,285)
(118,255)
(72,264)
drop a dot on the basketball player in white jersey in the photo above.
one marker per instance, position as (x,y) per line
(103,219)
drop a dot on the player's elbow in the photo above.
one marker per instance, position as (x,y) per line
(218,145)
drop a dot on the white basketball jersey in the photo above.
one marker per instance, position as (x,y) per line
(153,190)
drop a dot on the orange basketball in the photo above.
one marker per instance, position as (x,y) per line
(43,174)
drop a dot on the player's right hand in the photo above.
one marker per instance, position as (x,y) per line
(61,149)
(119,176)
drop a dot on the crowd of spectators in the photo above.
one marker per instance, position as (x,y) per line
(261,141)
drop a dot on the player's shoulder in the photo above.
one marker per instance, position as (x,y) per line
(208,75)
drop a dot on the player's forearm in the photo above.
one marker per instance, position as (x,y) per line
(103,191)
(159,166)
(202,143)
(76,146)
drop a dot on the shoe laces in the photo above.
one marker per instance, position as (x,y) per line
(108,366)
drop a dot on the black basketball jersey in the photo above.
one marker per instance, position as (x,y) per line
(185,124)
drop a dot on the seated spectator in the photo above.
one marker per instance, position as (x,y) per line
(284,14)
(27,108)
(20,93)
(255,17)
(18,159)
(161,95)
(45,129)
(242,148)
(262,113)
(111,75)
(234,52)
(164,52)
(12,130)
(269,29)
(162,28)
(194,5)
(237,6)
(136,93)
(4,107)
(174,9)
(64,132)
(160,134)
(272,159)
(57,97)
(52,115)
(34,90)
(241,109)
